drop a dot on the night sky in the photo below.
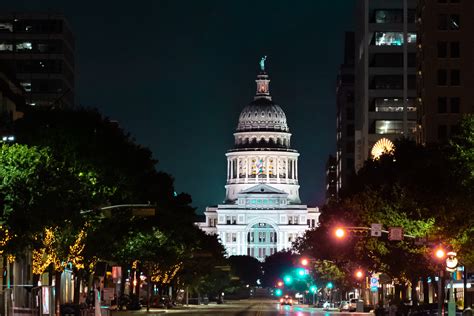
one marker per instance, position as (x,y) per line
(176,75)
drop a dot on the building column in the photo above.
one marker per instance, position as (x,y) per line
(267,167)
(278,168)
(296,169)
(293,176)
(228,169)
(238,167)
(247,172)
(286,171)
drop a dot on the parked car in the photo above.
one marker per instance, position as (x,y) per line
(353,304)
(326,305)
(344,306)
(286,300)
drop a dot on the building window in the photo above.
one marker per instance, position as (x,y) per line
(313,223)
(454,50)
(234,237)
(227,237)
(455,77)
(442,49)
(388,16)
(393,105)
(24,46)
(455,104)
(6,27)
(290,237)
(393,127)
(388,38)
(26,85)
(442,77)
(442,104)
(442,131)
(454,22)
(261,237)
(6,47)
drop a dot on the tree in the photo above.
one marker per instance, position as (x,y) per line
(247,269)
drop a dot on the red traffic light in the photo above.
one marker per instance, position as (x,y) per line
(304,262)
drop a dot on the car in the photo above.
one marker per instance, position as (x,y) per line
(344,306)
(326,305)
(353,304)
(286,300)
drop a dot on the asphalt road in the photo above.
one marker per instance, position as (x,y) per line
(256,308)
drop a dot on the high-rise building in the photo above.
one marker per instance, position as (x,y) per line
(385,75)
(345,116)
(445,66)
(262,212)
(12,102)
(39,48)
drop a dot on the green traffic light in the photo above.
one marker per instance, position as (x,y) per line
(313,288)
(287,279)
(301,272)
(329,285)
(278,292)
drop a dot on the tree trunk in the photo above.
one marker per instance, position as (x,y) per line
(77,286)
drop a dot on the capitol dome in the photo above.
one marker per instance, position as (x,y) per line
(262,115)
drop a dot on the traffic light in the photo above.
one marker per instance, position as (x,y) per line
(278,292)
(280,284)
(313,288)
(329,285)
(287,279)
(301,272)
(304,262)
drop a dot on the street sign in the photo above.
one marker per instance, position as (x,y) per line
(395,233)
(376,230)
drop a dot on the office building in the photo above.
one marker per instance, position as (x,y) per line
(39,48)
(385,67)
(345,116)
(445,67)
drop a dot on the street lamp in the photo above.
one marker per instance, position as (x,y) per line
(304,262)
(440,254)
(340,233)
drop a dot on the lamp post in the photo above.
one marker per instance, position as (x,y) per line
(451,266)
(440,254)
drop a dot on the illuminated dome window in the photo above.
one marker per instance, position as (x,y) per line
(382,146)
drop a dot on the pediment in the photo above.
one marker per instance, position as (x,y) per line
(262,189)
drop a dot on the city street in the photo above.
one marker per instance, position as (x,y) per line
(253,307)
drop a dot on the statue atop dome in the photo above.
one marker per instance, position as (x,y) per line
(262,63)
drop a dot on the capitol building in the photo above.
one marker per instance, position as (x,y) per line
(262,212)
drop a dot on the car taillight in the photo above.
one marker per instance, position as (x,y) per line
(281,300)
(291,301)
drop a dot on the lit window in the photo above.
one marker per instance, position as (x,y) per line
(393,105)
(6,47)
(393,127)
(6,26)
(26,86)
(388,38)
(24,46)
